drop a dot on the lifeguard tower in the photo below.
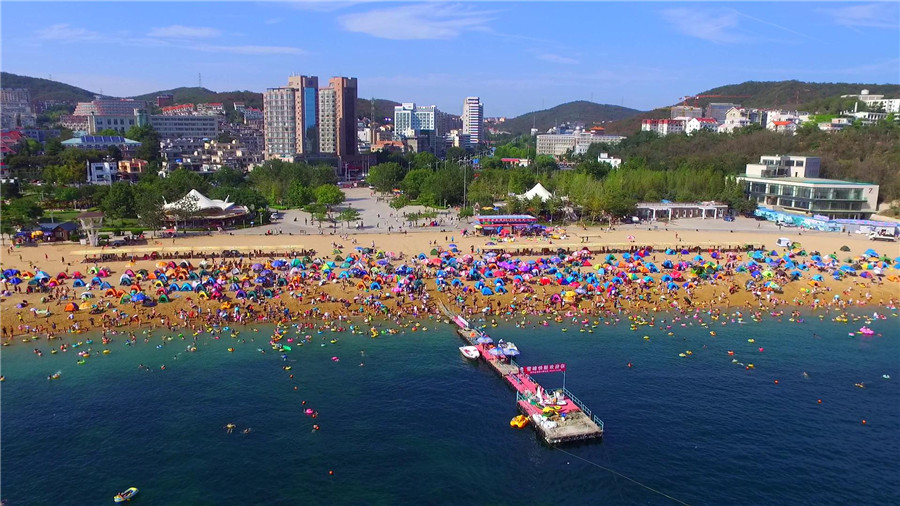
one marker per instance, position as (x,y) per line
(91,223)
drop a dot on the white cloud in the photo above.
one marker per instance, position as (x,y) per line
(184,32)
(719,27)
(63,31)
(880,15)
(254,50)
(555,58)
(424,21)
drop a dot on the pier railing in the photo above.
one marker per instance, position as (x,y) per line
(520,397)
(583,408)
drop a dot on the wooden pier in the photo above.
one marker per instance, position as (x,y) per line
(575,423)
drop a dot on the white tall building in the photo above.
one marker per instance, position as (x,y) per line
(472,119)
(279,106)
(327,120)
(410,119)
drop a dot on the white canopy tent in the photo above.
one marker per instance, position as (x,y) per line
(537,191)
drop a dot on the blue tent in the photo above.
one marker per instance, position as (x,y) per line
(486,291)
(77,283)
(104,285)
(817,277)
(138,297)
(374,286)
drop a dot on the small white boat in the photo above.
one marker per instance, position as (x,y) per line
(470,352)
(126,495)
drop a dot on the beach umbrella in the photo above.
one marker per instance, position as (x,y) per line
(16,281)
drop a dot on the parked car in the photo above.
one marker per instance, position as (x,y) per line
(728,218)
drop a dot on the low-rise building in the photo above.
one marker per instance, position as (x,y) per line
(695,124)
(179,110)
(211,108)
(577,142)
(663,127)
(792,183)
(102,173)
(613,161)
(173,127)
(102,143)
(132,169)
(877,102)
(653,211)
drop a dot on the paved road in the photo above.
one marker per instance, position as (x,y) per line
(375,216)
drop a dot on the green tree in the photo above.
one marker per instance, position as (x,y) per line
(520,181)
(399,202)
(454,154)
(413,181)
(443,187)
(149,208)
(119,202)
(329,195)
(385,176)
(108,132)
(22,212)
(299,195)
(53,147)
(228,176)
(181,181)
(545,163)
(425,160)
(349,215)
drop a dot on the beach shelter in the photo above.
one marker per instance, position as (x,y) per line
(78,283)
(71,307)
(125,298)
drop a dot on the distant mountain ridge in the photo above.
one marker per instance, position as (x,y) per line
(616,119)
(579,111)
(45,89)
(790,94)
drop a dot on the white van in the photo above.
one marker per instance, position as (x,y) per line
(784,242)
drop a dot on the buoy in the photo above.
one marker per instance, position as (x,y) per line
(776,382)
(820,401)
(331,473)
(864,421)
(629,364)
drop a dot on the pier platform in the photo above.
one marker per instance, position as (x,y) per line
(575,421)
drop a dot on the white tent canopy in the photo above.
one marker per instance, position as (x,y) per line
(538,191)
(204,203)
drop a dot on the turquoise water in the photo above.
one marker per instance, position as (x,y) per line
(418,424)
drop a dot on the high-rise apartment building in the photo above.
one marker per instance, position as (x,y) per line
(301,119)
(306,90)
(279,106)
(345,92)
(327,121)
(472,119)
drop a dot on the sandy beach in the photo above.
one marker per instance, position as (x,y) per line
(328,301)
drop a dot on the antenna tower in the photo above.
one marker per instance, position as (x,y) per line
(199,80)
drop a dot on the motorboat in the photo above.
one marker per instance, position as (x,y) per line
(470,352)
(126,495)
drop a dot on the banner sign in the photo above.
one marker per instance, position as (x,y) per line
(538,369)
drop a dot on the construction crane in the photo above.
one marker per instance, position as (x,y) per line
(698,97)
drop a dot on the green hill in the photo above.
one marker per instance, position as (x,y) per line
(790,94)
(580,111)
(45,89)
(383,109)
(196,95)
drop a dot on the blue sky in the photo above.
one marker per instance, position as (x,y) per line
(516,56)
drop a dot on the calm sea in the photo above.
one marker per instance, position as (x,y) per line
(419,425)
